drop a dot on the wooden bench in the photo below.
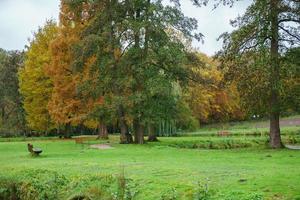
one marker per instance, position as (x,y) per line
(223,133)
(80,140)
(34,151)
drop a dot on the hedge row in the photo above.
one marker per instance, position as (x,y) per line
(224,142)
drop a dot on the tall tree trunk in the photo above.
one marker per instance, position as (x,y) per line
(2,112)
(125,136)
(275,139)
(151,133)
(135,132)
(102,131)
(58,131)
(68,130)
(138,87)
(138,132)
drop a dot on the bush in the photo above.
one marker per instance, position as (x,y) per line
(202,191)
(49,185)
(215,143)
(90,187)
(8,188)
(37,184)
(169,195)
(238,195)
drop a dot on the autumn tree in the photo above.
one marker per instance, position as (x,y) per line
(266,31)
(65,106)
(213,99)
(35,85)
(101,41)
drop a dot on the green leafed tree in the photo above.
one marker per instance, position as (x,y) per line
(291,81)
(262,36)
(11,110)
(138,58)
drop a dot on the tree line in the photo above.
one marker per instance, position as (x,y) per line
(129,65)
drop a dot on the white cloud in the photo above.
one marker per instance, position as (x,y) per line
(213,22)
(19,18)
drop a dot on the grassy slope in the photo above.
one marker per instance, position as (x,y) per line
(246,127)
(159,168)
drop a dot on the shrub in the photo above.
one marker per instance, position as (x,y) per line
(50,185)
(239,195)
(202,191)
(215,143)
(91,187)
(40,184)
(169,195)
(8,188)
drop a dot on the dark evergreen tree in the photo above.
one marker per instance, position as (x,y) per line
(11,110)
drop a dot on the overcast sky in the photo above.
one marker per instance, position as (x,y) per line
(20,18)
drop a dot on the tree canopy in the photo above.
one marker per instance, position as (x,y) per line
(128,66)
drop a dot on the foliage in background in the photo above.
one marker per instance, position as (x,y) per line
(212,100)
(291,81)
(12,119)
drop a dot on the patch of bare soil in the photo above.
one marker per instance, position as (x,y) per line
(101,146)
(294,147)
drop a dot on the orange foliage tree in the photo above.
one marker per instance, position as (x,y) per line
(66,106)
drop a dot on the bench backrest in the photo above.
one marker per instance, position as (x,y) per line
(30,147)
(223,133)
(79,140)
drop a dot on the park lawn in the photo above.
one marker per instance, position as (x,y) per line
(157,169)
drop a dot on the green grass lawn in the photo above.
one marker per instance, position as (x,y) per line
(160,170)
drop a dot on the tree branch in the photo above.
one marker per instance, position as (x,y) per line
(289,33)
(289,20)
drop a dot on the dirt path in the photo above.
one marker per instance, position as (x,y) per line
(294,147)
(101,146)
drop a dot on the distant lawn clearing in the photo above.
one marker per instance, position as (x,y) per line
(158,169)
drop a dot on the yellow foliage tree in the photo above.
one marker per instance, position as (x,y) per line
(212,101)
(35,86)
